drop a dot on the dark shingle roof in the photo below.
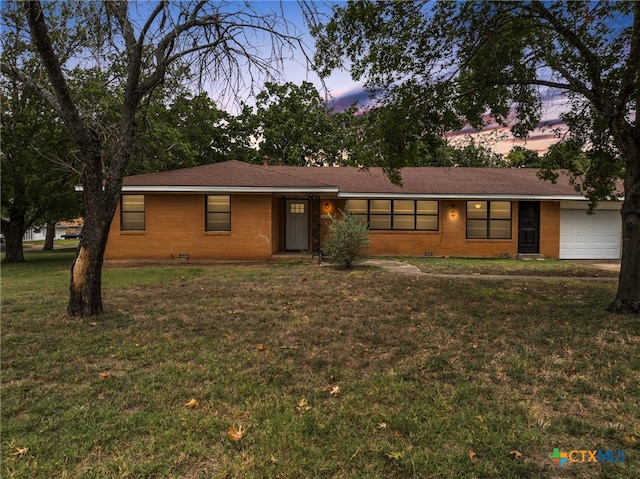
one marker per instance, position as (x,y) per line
(347,181)
(228,173)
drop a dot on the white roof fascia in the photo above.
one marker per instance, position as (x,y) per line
(227,189)
(452,196)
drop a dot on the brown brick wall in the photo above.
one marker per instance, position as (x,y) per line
(175,224)
(451,240)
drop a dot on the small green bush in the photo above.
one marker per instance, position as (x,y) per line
(348,236)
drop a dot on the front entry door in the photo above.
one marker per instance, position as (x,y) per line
(296,220)
(528,227)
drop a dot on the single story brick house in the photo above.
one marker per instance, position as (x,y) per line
(238,211)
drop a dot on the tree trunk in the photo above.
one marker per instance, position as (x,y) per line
(627,298)
(100,199)
(51,235)
(13,231)
(85,289)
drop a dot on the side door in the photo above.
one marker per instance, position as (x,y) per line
(528,227)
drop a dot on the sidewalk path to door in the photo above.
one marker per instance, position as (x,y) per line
(399,267)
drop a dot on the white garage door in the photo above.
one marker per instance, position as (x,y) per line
(584,236)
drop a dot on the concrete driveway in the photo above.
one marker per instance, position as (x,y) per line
(610,265)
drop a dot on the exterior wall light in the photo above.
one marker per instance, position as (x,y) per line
(453,211)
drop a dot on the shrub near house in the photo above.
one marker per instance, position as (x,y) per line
(347,238)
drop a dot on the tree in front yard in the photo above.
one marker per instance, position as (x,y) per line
(36,184)
(347,239)
(136,44)
(435,66)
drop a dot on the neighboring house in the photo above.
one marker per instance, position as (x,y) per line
(64,230)
(237,211)
(35,233)
(69,229)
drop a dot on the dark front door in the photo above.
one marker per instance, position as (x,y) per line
(529,227)
(296,236)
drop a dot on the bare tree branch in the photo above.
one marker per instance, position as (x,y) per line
(42,41)
(29,82)
(159,8)
(591,60)
(120,10)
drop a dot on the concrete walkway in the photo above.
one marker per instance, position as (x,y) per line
(399,267)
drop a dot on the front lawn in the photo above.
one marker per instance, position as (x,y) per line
(510,266)
(299,370)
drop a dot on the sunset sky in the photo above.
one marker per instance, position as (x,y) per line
(342,91)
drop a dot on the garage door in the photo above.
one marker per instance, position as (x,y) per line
(584,236)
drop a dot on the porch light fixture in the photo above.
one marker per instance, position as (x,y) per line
(326,205)
(453,211)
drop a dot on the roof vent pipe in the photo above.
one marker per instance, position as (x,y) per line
(265,161)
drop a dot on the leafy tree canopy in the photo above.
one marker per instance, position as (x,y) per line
(434,66)
(294,124)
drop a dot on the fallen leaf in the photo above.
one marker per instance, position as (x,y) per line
(192,404)
(104,374)
(19,451)
(303,405)
(472,455)
(236,434)
(629,439)
(262,347)
(395,455)
(516,454)
(333,390)
(382,425)
(273,459)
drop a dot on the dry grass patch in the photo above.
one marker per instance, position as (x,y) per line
(329,373)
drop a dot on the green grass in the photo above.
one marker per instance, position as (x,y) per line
(512,266)
(441,378)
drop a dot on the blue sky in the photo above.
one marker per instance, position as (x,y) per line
(339,84)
